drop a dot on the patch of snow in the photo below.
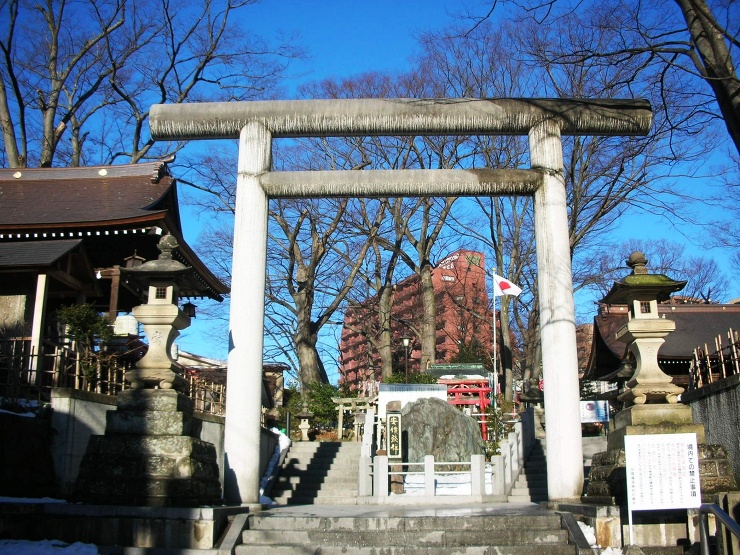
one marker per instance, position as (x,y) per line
(588,532)
(25,414)
(46,547)
(30,500)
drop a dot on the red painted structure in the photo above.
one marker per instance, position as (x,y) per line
(470,392)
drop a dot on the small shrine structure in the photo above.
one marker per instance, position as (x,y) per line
(66,234)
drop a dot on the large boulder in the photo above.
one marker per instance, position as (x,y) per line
(434,427)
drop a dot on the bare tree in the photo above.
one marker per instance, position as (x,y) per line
(77,78)
(684,41)
(320,261)
(705,282)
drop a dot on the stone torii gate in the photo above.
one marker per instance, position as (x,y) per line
(255,124)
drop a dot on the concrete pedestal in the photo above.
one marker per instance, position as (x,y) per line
(148,455)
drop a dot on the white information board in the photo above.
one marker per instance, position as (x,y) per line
(662,472)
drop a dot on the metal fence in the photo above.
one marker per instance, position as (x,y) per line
(717,362)
(32,376)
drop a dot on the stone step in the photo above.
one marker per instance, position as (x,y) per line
(319,473)
(322,464)
(320,450)
(290,478)
(345,490)
(320,500)
(430,538)
(323,455)
(531,531)
(405,550)
(526,499)
(542,520)
(521,490)
(531,484)
(325,447)
(532,479)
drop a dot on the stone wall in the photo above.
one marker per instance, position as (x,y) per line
(717,407)
(76,415)
(26,468)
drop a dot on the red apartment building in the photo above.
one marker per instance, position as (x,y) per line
(463,316)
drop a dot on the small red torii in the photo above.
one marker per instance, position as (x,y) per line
(470,391)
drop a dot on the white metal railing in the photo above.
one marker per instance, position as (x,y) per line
(430,478)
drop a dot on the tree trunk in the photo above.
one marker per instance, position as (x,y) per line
(429,318)
(384,332)
(505,351)
(306,336)
(311,368)
(716,62)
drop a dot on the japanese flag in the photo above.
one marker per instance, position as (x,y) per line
(502,286)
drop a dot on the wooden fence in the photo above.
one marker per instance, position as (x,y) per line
(717,362)
(32,376)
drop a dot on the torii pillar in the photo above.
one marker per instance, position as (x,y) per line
(257,123)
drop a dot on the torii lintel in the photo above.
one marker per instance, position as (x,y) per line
(366,117)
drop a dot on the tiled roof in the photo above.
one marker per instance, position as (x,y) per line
(35,253)
(53,198)
(48,204)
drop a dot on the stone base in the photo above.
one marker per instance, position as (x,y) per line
(148,456)
(137,527)
(653,419)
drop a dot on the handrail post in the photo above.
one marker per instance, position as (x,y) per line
(477,475)
(498,481)
(704,532)
(365,487)
(380,476)
(724,521)
(516,463)
(429,483)
(519,430)
(506,455)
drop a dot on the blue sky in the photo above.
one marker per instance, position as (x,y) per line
(345,38)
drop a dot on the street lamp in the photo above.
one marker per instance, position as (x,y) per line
(406,341)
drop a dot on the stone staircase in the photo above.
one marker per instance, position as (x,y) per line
(531,486)
(527,531)
(319,473)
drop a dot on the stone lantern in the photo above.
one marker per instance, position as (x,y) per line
(650,398)
(645,331)
(305,415)
(152,453)
(161,317)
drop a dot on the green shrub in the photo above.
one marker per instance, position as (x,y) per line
(498,420)
(415,377)
(89,330)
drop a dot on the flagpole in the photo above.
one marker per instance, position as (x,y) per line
(495,350)
(494,393)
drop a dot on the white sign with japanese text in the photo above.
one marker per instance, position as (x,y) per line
(662,471)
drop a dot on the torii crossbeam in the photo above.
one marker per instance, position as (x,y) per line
(255,124)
